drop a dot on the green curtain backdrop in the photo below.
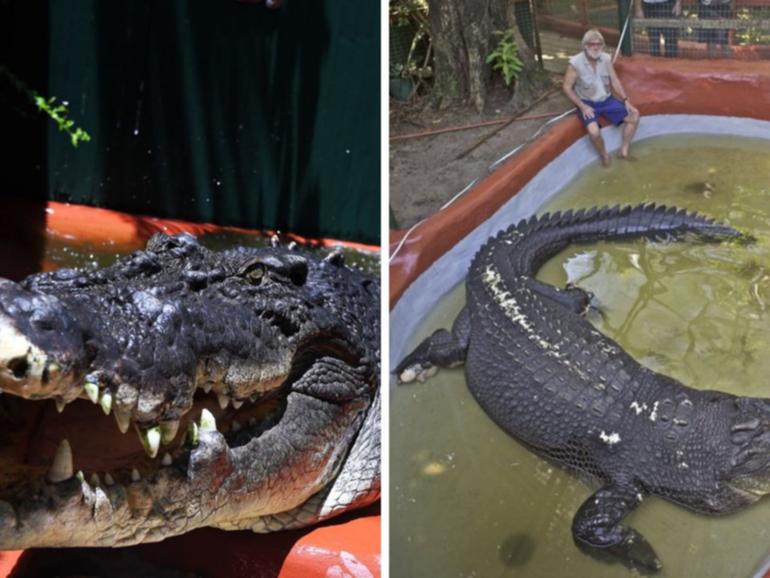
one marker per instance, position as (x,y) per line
(223,112)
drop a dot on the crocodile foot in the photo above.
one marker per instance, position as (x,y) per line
(598,532)
(634,552)
(442,349)
(438,350)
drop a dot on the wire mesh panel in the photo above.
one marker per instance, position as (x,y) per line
(668,28)
(593,14)
(702,29)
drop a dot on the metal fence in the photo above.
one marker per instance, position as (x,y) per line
(727,30)
(737,29)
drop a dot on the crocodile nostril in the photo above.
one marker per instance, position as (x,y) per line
(19,366)
(43,322)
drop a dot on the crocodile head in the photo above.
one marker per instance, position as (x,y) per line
(182,388)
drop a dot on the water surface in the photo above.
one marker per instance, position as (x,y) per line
(468,501)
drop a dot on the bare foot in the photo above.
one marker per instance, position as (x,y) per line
(605,160)
(626,157)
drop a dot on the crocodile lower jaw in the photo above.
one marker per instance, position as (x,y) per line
(44,452)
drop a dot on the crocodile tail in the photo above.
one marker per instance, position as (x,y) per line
(630,221)
(531,242)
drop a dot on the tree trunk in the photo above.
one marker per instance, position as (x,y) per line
(463,35)
(462,32)
(532,80)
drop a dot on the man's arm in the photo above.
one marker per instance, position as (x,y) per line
(618,90)
(567,87)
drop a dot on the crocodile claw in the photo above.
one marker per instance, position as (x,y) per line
(634,552)
(418,371)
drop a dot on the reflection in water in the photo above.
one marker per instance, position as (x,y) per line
(695,312)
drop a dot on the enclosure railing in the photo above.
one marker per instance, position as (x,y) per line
(704,29)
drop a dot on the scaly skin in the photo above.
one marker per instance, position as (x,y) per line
(572,395)
(250,376)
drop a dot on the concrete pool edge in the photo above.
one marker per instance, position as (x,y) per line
(676,98)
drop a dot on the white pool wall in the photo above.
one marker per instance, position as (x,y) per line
(450,269)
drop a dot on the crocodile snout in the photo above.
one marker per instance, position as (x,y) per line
(41,347)
(20,361)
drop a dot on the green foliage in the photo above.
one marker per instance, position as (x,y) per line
(505,57)
(58,114)
(749,36)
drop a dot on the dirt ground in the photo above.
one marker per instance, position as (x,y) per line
(427,171)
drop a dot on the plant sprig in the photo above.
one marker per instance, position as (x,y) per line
(58,113)
(505,57)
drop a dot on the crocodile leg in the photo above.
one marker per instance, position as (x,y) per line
(441,349)
(597,530)
(571,297)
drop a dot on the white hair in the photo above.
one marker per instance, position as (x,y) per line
(592,34)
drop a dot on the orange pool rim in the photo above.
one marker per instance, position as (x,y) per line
(337,547)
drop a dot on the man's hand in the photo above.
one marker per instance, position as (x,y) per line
(587,111)
(630,108)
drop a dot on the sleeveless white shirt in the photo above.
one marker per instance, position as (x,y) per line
(592,84)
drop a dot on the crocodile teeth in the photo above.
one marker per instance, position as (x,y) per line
(106,401)
(193,434)
(53,369)
(336,257)
(135,475)
(60,403)
(208,423)
(168,431)
(237,403)
(150,439)
(291,246)
(275,241)
(81,476)
(61,469)
(123,418)
(95,482)
(166,461)
(109,480)
(223,400)
(206,387)
(92,391)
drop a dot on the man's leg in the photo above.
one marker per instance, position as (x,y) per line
(596,137)
(671,36)
(653,34)
(629,130)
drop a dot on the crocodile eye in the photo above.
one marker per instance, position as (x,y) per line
(253,272)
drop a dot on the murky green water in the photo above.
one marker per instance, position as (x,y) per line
(467,500)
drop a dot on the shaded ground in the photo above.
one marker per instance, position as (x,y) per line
(428,171)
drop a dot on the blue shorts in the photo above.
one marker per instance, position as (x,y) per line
(610,108)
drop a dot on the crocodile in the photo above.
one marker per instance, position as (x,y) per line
(572,395)
(250,377)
